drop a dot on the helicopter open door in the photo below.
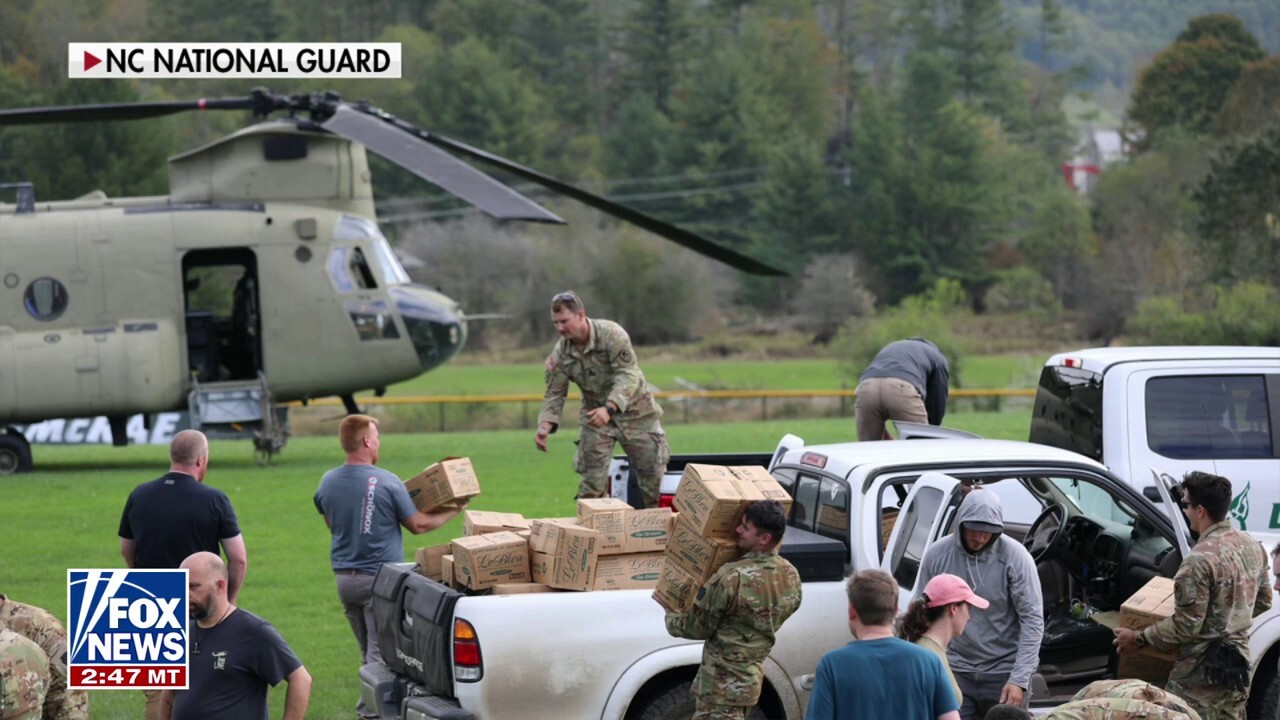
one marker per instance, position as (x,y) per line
(223,318)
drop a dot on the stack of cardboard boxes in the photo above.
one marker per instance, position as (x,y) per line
(609,546)
(711,500)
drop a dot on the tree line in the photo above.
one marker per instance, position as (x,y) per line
(878,151)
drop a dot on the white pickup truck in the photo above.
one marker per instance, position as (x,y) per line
(1207,408)
(607,654)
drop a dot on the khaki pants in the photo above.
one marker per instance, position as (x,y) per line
(879,400)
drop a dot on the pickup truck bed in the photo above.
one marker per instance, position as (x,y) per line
(415,618)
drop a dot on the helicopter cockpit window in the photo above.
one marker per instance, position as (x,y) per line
(337,269)
(45,299)
(348,270)
(385,260)
(373,320)
(353,228)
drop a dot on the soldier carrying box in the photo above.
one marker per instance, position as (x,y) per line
(738,612)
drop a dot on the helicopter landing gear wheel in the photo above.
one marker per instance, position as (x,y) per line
(15,453)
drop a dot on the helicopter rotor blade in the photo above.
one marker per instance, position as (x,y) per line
(436,166)
(120,111)
(676,234)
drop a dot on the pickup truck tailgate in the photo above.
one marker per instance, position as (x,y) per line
(414,620)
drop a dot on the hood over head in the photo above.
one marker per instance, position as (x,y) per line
(980,510)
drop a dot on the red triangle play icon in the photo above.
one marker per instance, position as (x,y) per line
(90,61)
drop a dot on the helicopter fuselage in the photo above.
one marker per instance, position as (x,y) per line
(119,308)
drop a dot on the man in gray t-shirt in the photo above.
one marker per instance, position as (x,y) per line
(364,507)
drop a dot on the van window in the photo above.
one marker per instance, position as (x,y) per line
(1068,411)
(1202,417)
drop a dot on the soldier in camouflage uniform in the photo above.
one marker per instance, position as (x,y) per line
(1136,690)
(42,628)
(738,612)
(24,677)
(1218,591)
(1098,708)
(617,405)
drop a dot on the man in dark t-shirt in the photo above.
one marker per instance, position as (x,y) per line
(235,656)
(176,515)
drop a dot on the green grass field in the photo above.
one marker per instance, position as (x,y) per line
(985,371)
(66,515)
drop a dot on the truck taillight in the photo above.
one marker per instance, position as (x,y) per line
(467,666)
(666,501)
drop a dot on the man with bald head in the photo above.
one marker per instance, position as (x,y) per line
(176,515)
(235,656)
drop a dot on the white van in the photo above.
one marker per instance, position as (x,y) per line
(1207,408)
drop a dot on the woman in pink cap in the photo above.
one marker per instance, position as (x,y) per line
(938,616)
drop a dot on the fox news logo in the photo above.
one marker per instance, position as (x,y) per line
(233,60)
(128,629)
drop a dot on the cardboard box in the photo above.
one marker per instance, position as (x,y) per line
(609,510)
(574,570)
(765,483)
(676,589)
(481,522)
(694,553)
(548,536)
(609,516)
(1152,603)
(447,482)
(628,572)
(482,561)
(647,530)
(521,588)
(714,499)
(428,559)
(563,556)
(446,570)
(888,518)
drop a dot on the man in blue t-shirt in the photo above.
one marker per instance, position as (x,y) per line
(364,507)
(235,656)
(879,675)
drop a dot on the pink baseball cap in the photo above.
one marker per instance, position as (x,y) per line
(946,589)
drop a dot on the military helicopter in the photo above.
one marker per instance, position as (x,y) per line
(261,278)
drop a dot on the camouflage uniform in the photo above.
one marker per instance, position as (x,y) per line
(42,628)
(1218,591)
(737,612)
(605,370)
(1136,690)
(24,677)
(1110,708)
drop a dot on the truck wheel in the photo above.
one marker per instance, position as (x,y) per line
(677,704)
(1264,701)
(15,453)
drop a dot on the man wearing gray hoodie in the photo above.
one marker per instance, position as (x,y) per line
(994,658)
